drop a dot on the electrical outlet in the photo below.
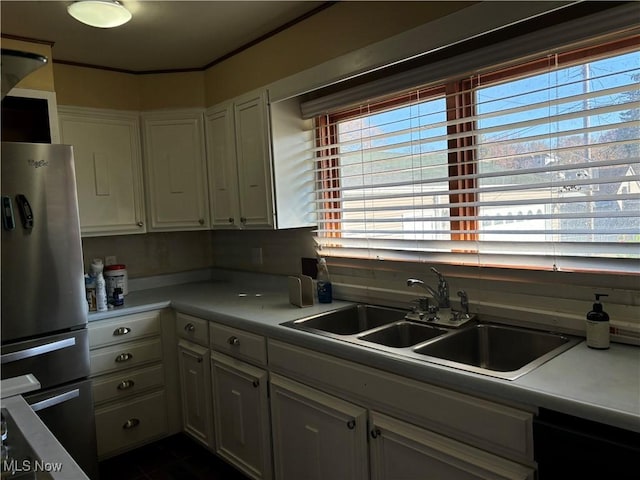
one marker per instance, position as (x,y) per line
(110,260)
(256,256)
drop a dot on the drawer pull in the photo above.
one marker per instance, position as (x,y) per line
(131,423)
(121,331)
(126,384)
(189,327)
(123,357)
(375,433)
(233,340)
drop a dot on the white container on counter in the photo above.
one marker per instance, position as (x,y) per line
(116,277)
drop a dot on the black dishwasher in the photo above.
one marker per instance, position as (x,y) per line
(568,447)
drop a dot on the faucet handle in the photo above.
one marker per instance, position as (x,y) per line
(440,276)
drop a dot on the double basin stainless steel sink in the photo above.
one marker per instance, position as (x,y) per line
(489,349)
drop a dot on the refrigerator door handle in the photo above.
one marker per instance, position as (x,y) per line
(8,219)
(55,400)
(25,212)
(39,350)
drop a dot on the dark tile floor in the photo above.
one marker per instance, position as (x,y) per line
(174,458)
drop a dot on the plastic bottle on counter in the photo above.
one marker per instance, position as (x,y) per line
(90,290)
(325,293)
(598,325)
(101,287)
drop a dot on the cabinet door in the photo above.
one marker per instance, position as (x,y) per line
(241,412)
(316,436)
(106,149)
(175,171)
(195,385)
(254,161)
(400,450)
(223,176)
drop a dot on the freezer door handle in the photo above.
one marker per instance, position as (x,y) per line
(39,350)
(55,400)
(8,219)
(25,211)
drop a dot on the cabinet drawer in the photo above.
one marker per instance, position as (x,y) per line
(126,355)
(239,343)
(192,328)
(124,329)
(127,424)
(125,384)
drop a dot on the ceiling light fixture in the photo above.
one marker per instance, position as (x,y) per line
(100,13)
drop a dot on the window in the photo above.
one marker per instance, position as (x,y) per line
(536,165)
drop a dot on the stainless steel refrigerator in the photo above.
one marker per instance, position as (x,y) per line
(44,310)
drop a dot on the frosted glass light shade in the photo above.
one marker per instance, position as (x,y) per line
(100,13)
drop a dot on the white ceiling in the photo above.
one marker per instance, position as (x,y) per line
(162,35)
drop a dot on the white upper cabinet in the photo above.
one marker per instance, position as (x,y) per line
(253,156)
(249,187)
(175,170)
(106,146)
(239,158)
(223,176)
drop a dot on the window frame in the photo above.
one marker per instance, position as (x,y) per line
(459,94)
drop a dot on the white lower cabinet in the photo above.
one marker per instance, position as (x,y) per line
(241,413)
(316,436)
(133,382)
(400,450)
(195,390)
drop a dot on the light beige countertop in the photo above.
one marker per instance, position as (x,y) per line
(53,460)
(603,386)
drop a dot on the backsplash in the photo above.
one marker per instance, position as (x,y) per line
(281,250)
(153,253)
(172,252)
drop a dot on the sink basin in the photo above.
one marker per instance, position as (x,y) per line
(403,334)
(496,350)
(489,349)
(349,321)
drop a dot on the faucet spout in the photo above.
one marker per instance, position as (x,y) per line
(412,282)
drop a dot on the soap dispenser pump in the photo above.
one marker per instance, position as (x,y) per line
(598,325)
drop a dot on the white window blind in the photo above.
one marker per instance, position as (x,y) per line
(532,166)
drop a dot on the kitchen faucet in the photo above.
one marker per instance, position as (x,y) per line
(441,296)
(432,313)
(412,282)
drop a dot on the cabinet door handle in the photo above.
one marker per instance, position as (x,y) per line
(189,327)
(375,433)
(140,224)
(121,331)
(131,423)
(243,220)
(123,357)
(233,340)
(199,360)
(230,219)
(351,424)
(256,383)
(201,221)
(126,384)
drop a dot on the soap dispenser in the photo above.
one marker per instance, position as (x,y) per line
(598,325)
